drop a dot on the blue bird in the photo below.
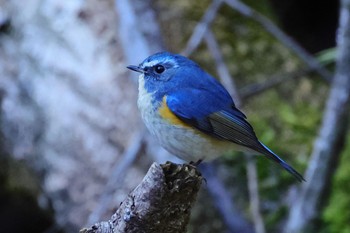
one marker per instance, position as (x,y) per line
(191,114)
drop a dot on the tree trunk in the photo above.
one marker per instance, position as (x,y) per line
(69,107)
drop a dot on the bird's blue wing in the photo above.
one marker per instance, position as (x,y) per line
(217,115)
(213,114)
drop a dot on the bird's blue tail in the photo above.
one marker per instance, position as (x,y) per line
(271,155)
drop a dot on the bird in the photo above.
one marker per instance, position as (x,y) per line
(191,114)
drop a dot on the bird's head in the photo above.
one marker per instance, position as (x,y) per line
(163,72)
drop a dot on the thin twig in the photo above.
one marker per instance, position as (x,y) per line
(232,217)
(202,26)
(254,196)
(281,36)
(221,67)
(216,188)
(229,83)
(257,88)
(117,177)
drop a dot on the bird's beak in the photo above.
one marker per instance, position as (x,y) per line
(136,68)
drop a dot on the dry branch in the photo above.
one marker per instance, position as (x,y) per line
(160,203)
(201,28)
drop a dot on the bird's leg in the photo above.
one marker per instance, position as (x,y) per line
(195,164)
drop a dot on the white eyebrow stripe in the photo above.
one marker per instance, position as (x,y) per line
(151,63)
(155,62)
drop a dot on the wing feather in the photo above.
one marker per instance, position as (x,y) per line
(230,127)
(217,116)
(214,115)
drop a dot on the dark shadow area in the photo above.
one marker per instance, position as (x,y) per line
(311,23)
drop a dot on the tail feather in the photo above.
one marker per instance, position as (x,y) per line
(271,155)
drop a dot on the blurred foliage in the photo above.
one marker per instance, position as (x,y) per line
(286,117)
(327,56)
(337,213)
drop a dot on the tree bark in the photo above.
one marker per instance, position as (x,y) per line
(69,108)
(329,144)
(160,203)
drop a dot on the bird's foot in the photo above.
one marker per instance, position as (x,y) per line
(195,164)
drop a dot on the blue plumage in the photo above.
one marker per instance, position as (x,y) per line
(198,100)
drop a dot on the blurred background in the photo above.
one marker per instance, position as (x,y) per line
(72,144)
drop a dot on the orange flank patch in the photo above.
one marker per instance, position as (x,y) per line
(168,115)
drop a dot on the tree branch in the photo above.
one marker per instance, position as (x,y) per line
(232,217)
(331,139)
(201,28)
(230,85)
(254,195)
(221,67)
(162,202)
(257,88)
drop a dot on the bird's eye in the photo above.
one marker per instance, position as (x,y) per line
(159,69)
